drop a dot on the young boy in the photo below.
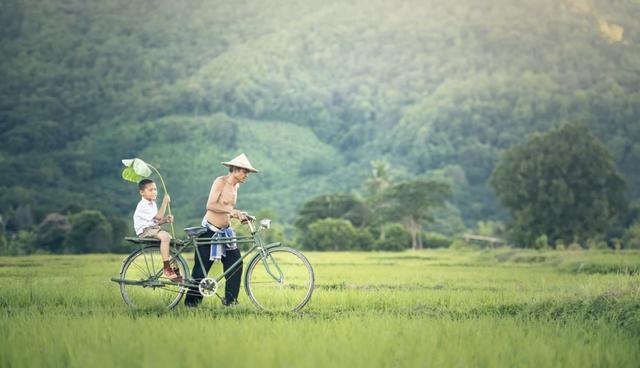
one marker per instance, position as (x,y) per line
(147,220)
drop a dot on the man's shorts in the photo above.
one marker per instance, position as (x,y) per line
(151,232)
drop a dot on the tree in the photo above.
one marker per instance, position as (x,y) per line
(22,219)
(339,205)
(21,243)
(120,229)
(380,177)
(562,184)
(90,232)
(394,237)
(52,231)
(3,240)
(632,237)
(330,234)
(411,203)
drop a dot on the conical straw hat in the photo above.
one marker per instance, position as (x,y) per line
(241,161)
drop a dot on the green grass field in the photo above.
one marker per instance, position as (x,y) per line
(429,308)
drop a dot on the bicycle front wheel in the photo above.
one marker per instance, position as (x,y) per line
(281,281)
(139,286)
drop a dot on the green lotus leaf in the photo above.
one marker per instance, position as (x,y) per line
(130,175)
(135,170)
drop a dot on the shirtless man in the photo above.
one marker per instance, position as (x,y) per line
(220,209)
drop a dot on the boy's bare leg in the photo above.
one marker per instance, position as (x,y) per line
(165,240)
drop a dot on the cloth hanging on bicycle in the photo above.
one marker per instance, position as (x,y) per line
(218,250)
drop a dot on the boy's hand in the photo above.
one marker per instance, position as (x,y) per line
(169,219)
(166,199)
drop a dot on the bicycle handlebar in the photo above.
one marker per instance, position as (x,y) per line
(249,220)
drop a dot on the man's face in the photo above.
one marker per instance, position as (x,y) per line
(241,174)
(150,192)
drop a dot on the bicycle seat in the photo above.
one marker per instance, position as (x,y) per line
(138,240)
(195,231)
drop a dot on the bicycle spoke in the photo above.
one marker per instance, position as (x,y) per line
(153,267)
(147,264)
(141,269)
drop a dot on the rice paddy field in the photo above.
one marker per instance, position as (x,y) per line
(493,308)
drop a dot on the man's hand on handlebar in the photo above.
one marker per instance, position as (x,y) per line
(245,217)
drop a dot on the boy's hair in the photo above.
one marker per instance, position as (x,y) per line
(143,183)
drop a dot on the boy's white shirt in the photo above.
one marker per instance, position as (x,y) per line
(144,215)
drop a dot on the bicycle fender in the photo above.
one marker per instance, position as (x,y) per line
(268,246)
(271,245)
(124,261)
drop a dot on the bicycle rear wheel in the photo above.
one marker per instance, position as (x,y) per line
(282,281)
(141,288)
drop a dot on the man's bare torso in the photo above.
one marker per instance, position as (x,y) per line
(222,202)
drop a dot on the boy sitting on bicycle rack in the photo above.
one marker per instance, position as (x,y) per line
(147,220)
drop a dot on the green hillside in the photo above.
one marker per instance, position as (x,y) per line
(312,91)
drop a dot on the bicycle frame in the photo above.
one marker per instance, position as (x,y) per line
(259,248)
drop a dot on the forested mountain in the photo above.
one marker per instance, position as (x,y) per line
(311,91)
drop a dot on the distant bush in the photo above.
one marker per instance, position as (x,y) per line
(631,239)
(542,242)
(436,240)
(21,243)
(574,247)
(490,228)
(460,244)
(597,244)
(3,240)
(393,237)
(364,240)
(335,234)
(52,232)
(617,243)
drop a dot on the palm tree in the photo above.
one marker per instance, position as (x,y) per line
(380,177)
